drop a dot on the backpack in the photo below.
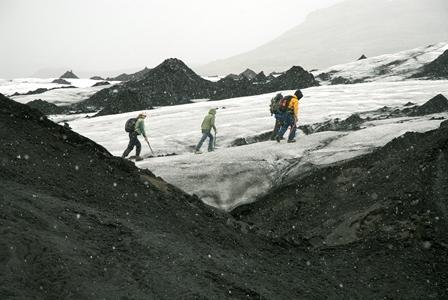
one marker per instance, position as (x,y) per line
(283,104)
(130,125)
(273,108)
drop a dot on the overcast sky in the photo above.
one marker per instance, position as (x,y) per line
(107,36)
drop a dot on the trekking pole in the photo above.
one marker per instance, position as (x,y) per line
(150,147)
(214,142)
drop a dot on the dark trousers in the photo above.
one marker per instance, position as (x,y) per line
(205,134)
(287,120)
(276,128)
(133,141)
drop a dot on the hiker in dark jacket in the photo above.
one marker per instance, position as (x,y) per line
(290,117)
(207,124)
(139,129)
(274,111)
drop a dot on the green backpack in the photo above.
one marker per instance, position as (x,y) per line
(274,107)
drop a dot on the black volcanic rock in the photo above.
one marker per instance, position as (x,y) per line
(69,74)
(60,81)
(233,77)
(101,83)
(248,74)
(127,77)
(437,69)
(438,104)
(340,80)
(362,57)
(97,78)
(172,83)
(46,108)
(124,100)
(41,91)
(351,123)
(294,78)
(260,78)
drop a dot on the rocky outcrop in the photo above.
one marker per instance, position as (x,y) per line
(438,69)
(362,57)
(172,83)
(46,108)
(127,77)
(41,91)
(69,74)
(97,78)
(101,83)
(248,74)
(60,81)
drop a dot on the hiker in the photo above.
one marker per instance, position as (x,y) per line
(274,111)
(135,127)
(289,112)
(207,124)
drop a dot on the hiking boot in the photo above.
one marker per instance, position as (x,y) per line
(197,152)
(292,141)
(277,139)
(138,158)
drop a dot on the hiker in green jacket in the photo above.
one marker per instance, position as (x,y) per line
(207,124)
(139,129)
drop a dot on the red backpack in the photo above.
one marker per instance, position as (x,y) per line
(283,104)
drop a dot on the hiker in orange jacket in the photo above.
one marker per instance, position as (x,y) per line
(289,116)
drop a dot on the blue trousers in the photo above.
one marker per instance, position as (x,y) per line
(205,134)
(287,120)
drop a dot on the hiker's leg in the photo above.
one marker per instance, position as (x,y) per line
(201,141)
(276,128)
(210,141)
(292,131)
(284,125)
(130,146)
(139,146)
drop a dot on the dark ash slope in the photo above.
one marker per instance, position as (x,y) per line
(79,223)
(387,211)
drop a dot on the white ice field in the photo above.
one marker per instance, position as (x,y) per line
(59,96)
(234,175)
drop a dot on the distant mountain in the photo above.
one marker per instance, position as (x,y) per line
(69,74)
(172,83)
(126,77)
(340,33)
(430,61)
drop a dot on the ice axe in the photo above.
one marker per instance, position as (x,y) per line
(149,146)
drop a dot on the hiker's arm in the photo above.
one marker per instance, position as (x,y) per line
(141,127)
(296,111)
(213,123)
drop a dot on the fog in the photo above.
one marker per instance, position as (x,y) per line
(106,37)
